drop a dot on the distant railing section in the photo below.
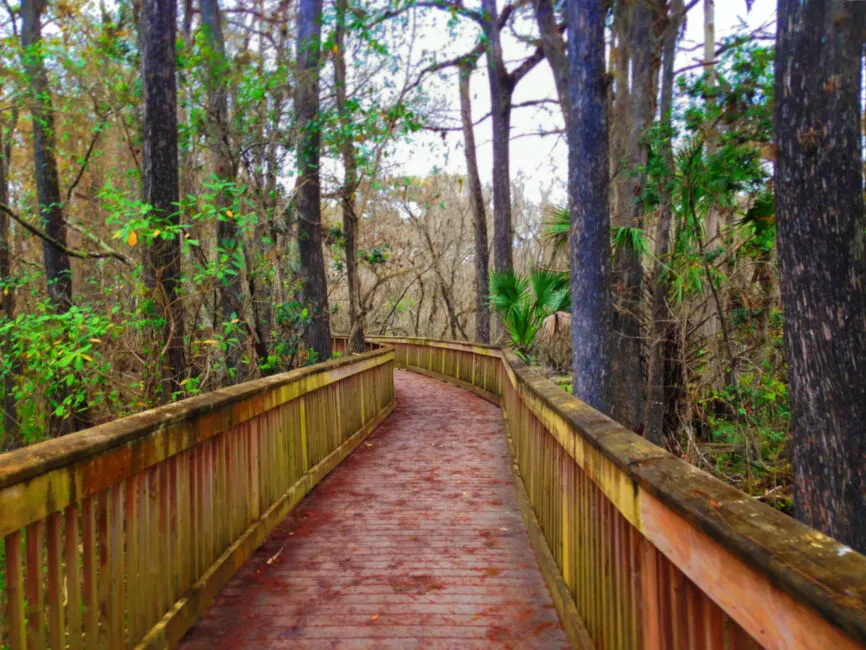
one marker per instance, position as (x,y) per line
(119,536)
(642,549)
(474,366)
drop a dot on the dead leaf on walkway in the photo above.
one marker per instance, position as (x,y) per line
(274,557)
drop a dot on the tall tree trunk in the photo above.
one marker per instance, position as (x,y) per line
(350,183)
(820,220)
(57,269)
(712,224)
(160,167)
(501,89)
(554,50)
(58,272)
(476,203)
(7,295)
(224,171)
(656,393)
(636,108)
(314,290)
(588,203)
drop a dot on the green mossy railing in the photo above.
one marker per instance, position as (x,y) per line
(640,548)
(119,536)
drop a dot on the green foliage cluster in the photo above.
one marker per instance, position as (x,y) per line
(523,304)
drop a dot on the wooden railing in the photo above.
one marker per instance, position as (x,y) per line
(119,536)
(474,366)
(641,549)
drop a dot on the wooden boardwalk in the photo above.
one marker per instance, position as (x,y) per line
(415,541)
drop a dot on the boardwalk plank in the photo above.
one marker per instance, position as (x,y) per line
(416,541)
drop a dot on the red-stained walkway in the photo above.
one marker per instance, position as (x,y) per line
(415,541)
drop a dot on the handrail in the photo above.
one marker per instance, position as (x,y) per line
(136,524)
(647,550)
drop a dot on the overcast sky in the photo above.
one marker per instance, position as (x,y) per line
(540,160)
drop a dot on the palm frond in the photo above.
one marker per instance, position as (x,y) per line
(507,291)
(557,225)
(550,291)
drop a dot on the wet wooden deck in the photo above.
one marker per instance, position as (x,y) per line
(415,541)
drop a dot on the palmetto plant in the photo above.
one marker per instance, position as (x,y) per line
(557,228)
(524,303)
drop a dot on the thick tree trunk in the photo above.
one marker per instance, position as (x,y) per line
(476,203)
(635,101)
(162,258)
(58,272)
(501,89)
(588,203)
(57,268)
(224,171)
(656,393)
(820,220)
(7,300)
(350,184)
(554,50)
(314,292)
(712,223)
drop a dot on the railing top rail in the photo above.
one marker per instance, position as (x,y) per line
(813,568)
(25,463)
(466,346)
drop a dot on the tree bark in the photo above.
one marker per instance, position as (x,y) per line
(820,221)
(635,106)
(314,291)
(712,224)
(501,88)
(224,171)
(350,183)
(7,296)
(656,393)
(554,50)
(588,203)
(161,191)
(476,204)
(57,268)
(58,271)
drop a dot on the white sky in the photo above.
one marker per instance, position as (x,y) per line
(540,160)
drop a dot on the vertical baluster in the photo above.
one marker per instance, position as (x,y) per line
(172,567)
(195,498)
(15,621)
(650,611)
(104,577)
(116,632)
(678,607)
(184,521)
(34,538)
(634,563)
(221,515)
(582,580)
(738,639)
(231,502)
(255,477)
(616,575)
(89,563)
(132,560)
(154,563)
(56,631)
(212,503)
(710,623)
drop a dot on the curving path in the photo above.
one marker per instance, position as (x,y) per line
(415,541)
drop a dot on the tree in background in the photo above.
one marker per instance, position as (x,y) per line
(228,241)
(476,202)
(819,203)
(588,205)
(314,289)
